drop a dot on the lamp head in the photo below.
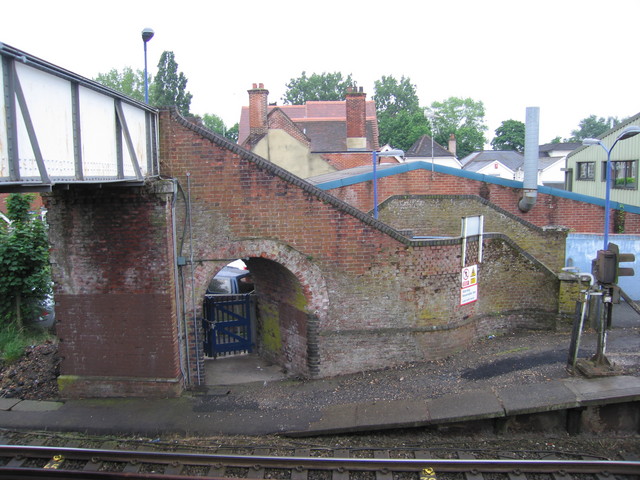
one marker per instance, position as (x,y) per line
(591,141)
(147,34)
(391,153)
(629,132)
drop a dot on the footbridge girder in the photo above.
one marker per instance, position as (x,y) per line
(58,128)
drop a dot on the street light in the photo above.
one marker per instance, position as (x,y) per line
(147,34)
(388,153)
(626,133)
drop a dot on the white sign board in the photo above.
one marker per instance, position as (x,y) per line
(468,295)
(469,276)
(469,285)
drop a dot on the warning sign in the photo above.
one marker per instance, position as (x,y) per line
(469,290)
(469,276)
(468,295)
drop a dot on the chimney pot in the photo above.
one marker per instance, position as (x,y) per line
(261,85)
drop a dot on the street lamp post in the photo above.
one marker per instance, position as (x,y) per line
(147,34)
(626,133)
(375,155)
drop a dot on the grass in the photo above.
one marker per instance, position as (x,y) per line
(513,350)
(13,341)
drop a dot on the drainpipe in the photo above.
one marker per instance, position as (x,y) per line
(530,184)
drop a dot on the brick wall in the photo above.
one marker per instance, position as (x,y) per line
(549,210)
(112,258)
(440,215)
(344,160)
(352,291)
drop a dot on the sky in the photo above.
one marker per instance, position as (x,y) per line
(570,58)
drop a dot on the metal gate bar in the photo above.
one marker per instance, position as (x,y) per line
(227,324)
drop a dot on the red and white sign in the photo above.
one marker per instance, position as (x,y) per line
(469,290)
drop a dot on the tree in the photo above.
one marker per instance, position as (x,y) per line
(232,133)
(592,127)
(463,117)
(323,87)
(214,123)
(24,262)
(509,136)
(401,121)
(127,82)
(169,86)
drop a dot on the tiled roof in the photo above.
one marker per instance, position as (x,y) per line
(422,148)
(510,159)
(551,147)
(324,123)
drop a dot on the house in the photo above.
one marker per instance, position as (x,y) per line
(494,163)
(510,164)
(311,139)
(586,166)
(425,149)
(552,159)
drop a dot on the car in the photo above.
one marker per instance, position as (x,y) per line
(231,280)
(45,314)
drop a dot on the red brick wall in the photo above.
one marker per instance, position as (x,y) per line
(370,297)
(549,210)
(112,259)
(344,160)
(356,115)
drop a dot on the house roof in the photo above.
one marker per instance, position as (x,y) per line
(422,148)
(324,123)
(477,160)
(557,147)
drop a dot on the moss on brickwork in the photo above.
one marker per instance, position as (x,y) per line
(299,300)
(271,339)
(65,382)
(569,294)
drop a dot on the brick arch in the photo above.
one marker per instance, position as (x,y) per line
(308,273)
(298,360)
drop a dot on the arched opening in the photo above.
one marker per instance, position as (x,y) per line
(279,325)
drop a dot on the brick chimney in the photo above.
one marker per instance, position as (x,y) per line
(452,144)
(356,119)
(258,109)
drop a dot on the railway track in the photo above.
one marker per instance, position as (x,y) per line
(40,462)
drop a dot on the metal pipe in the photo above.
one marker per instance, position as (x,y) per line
(179,302)
(530,182)
(193,281)
(375,185)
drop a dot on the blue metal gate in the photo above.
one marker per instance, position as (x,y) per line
(227,324)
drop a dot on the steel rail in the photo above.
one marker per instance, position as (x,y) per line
(320,463)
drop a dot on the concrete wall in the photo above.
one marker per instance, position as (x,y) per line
(582,248)
(287,152)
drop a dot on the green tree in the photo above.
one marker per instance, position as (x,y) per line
(463,117)
(509,136)
(232,133)
(317,87)
(401,121)
(214,123)
(128,81)
(24,262)
(169,86)
(592,127)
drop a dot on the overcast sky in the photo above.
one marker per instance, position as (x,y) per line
(571,58)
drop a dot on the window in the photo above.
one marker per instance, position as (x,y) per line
(586,170)
(623,175)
